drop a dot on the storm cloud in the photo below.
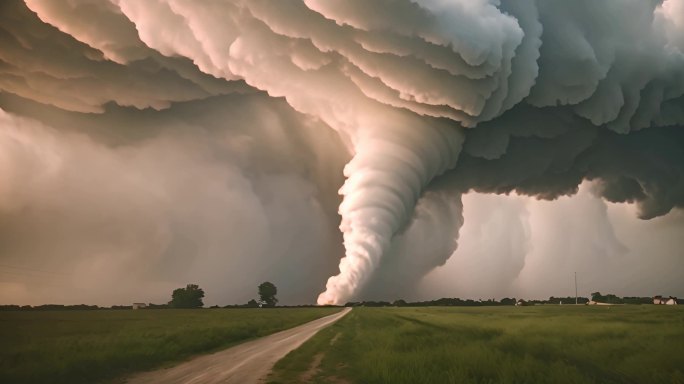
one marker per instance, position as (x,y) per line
(158,142)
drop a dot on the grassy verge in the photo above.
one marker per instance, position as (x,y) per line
(549,344)
(90,346)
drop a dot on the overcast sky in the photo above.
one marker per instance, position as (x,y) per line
(343,150)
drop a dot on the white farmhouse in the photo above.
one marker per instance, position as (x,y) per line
(665,300)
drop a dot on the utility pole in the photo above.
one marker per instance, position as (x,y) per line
(575,288)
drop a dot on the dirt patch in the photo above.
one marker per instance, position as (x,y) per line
(336,380)
(314,368)
(307,376)
(334,339)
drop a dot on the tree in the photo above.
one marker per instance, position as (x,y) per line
(399,303)
(188,297)
(252,304)
(267,294)
(508,301)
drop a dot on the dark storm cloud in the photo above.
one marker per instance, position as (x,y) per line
(645,167)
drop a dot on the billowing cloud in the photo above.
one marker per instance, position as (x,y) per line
(427,100)
(521,247)
(88,217)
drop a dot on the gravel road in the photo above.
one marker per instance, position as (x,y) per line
(249,362)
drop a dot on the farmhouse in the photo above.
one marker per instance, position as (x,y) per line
(665,300)
(139,305)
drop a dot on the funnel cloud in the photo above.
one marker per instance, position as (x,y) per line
(343,150)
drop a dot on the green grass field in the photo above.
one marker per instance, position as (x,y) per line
(92,346)
(541,344)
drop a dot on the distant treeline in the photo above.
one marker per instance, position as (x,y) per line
(456,302)
(612,299)
(443,302)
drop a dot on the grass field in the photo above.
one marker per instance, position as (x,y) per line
(92,346)
(542,344)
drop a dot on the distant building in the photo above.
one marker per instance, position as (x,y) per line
(592,302)
(520,303)
(139,305)
(659,300)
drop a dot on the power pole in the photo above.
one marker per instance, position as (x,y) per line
(575,288)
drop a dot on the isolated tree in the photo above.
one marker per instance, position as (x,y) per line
(267,294)
(508,301)
(188,297)
(399,303)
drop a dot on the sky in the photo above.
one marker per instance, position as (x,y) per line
(343,150)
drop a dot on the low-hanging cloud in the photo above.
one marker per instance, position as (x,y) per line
(427,100)
(540,245)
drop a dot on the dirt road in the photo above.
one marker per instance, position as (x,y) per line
(245,363)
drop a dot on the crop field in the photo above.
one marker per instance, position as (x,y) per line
(541,344)
(94,346)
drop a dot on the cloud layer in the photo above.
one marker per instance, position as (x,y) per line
(187,116)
